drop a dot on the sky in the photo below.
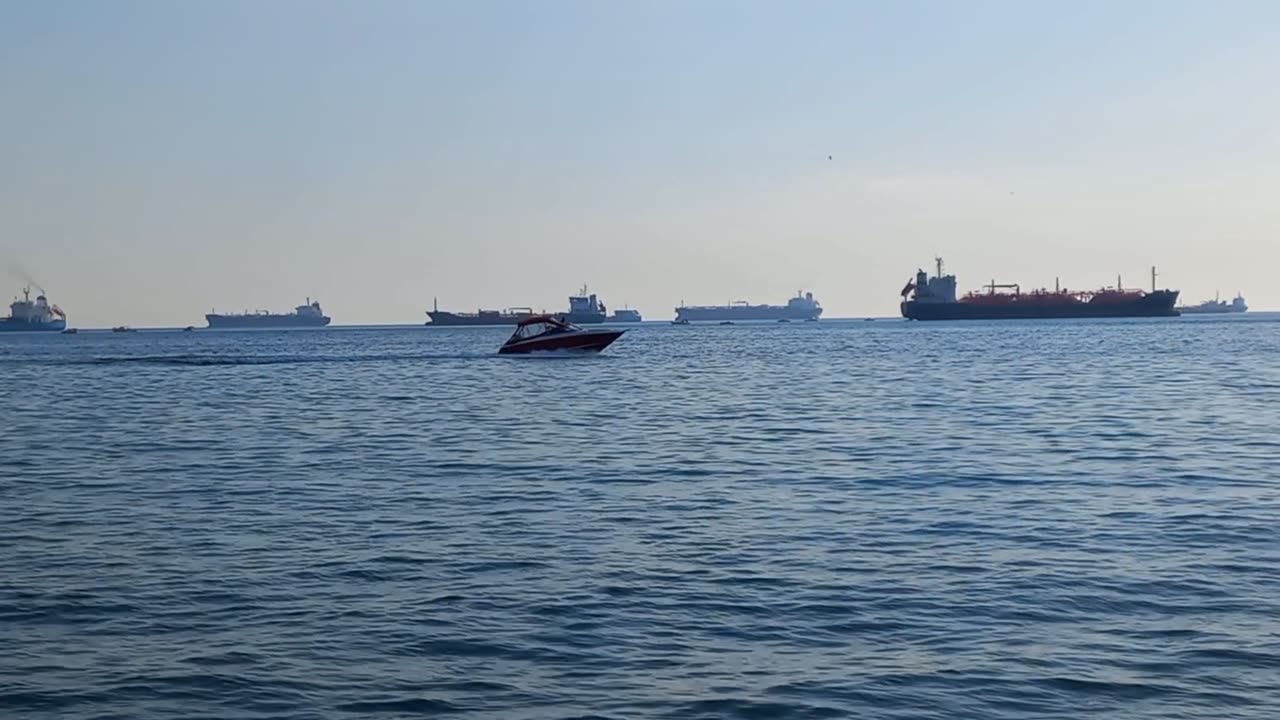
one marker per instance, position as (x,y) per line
(159,159)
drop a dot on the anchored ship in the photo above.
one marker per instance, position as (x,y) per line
(800,307)
(625,315)
(584,309)
(308,315)
(1216,306)
(510,316)
(37,316)
(934,298)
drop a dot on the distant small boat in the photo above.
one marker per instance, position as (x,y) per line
(783,320)
(189,328)
(123,329)
(69,331)
(680,321)
(727,322)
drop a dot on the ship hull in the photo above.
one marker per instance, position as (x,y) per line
(745,313)
(1194,310)
(243,322)
(1156,304)
(447,319)
(582,318)
(11,325)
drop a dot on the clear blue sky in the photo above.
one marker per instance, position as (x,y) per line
(161,158)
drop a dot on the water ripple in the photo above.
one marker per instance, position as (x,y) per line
(888,520)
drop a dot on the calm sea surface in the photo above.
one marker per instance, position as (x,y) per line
(841,519)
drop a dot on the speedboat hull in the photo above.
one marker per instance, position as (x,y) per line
(583,341)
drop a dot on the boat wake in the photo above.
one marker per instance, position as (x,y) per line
(189,360)
(556,355)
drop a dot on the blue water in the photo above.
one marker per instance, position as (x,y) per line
(844,519)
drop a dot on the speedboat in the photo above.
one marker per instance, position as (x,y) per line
(544,333)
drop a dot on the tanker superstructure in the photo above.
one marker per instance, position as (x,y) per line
(303,316)
(934,298)
(585,309)
(800,307)
(26,315)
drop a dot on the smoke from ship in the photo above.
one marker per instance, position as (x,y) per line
(21,273)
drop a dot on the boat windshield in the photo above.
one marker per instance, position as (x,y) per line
(534,329)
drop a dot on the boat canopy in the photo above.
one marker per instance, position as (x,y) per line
(539,325)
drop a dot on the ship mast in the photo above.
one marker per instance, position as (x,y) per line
(1153,278)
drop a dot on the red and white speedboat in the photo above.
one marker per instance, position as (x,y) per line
(544,333)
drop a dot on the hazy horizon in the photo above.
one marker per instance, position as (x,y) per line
(163,159)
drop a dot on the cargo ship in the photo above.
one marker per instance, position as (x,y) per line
(1216,306)
(625,315)
(38,316)
(800,307)
(510,316)
(934,298)
(584,309)
(308,315)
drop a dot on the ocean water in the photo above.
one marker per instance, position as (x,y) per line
(842,519)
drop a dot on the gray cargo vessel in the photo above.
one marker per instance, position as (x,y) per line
(800,307)
(308,315)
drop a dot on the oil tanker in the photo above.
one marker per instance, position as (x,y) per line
(934,298)
(584,309)
(800,307)
(1216,306)
(510,316)
(309,315)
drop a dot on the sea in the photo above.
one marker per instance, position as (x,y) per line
(842,519)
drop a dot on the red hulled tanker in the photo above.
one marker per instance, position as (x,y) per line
(934,298)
